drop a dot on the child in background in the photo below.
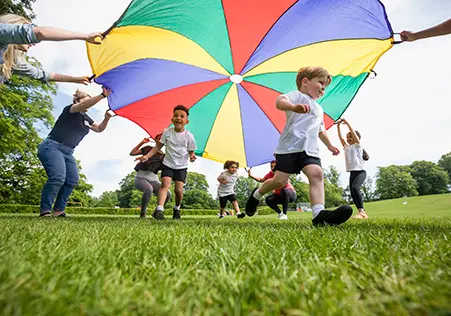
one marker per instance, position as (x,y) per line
(355,156)
(226,192)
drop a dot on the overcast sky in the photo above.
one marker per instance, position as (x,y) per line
(403,114)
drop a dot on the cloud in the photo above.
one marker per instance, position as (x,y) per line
(403,114)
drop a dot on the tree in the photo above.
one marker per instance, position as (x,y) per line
(302,188)
(25,105)
(431,179)
(395,182)
(196,181)
(127,195)
(243,188)
(21,7)
(332,175)
(445,163)
(107,199)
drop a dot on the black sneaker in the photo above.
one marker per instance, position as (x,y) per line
(175,213)
(241,215)
(251,204)
(333,218)
(158,214)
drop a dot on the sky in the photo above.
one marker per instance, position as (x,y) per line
(403,114)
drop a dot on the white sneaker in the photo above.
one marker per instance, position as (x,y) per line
(282,216)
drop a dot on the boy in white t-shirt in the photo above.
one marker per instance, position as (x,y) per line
(180,146)
(298,148)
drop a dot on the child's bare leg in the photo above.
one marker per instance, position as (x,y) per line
(178,193)
(236,207)
(314,174)
(163,193)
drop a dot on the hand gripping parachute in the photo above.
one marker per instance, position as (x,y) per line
(227,61)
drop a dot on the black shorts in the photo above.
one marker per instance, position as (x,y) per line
(295,162)
(174,174)
(223,200)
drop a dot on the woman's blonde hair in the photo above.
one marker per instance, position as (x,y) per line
(78,95)
(11,54)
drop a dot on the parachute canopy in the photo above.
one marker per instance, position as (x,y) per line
(227,61)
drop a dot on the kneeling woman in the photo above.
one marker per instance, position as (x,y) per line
(55,152)
(146,179)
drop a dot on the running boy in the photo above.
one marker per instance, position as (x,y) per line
(180,146)
(298,148)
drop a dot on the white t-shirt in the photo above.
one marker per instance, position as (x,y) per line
(227,189)
(301,130)
(178,146)
(354,157)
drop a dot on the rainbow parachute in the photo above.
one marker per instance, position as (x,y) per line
(229,60)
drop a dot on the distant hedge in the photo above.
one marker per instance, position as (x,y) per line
(28,209)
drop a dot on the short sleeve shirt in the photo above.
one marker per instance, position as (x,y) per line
(354,157)
(301,130)
(71,128)
(178,145)
(228,188)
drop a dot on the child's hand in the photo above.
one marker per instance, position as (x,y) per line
(301,108)
(335,151)
(192,158)
(407,36)
(145,140)
(82,80)
(248,170)
(142,158)
(343,120)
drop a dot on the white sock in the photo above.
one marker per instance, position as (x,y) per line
(257,194)
(177,207)
(316,209)
(160,208)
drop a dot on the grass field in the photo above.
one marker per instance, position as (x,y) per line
(396,263)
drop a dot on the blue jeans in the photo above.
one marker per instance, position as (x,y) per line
(61,168)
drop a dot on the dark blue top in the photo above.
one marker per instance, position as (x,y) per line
(154,163)
(71,128)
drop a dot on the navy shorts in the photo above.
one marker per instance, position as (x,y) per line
(293,163)
(174,174)
(223,200)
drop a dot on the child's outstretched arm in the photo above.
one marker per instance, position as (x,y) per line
(253,177)
(45,33)
(283,104)
(438,30)
(325,139)
(154,150)
(137,149)
(340,136)
(351,130)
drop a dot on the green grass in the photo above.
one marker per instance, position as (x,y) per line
(396,263)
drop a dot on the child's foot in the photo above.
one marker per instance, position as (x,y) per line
(241,215)
(142,215)
(158,214)
(251,204)
(175,213)
(221,216)
(333,218)
(282,216)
